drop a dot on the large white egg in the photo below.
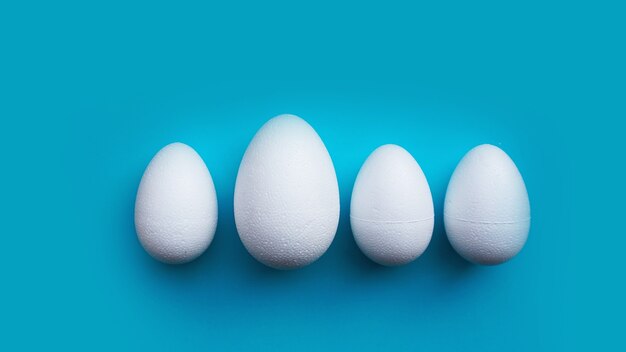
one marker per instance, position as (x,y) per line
(486,211)
(391,211)
(176,205)
(286,195)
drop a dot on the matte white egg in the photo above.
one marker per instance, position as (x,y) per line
(486,211)
(176,205)
(391,211)
(286,195)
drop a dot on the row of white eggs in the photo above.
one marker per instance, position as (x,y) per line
(287,202)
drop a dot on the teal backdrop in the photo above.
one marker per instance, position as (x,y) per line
(90,91)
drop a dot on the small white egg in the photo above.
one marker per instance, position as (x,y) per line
(176,205)
(391,211)
(486,211)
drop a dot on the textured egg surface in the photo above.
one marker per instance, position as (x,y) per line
(176,205)
(391,210)
(286,195)
(486,210)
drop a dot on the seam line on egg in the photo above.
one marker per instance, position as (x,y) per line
(488,222)
(391,221)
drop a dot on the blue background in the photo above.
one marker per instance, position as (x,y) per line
(89,91)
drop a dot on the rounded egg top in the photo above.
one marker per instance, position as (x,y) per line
(489,179)
(391,186)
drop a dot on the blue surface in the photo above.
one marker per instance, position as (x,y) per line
(88,94)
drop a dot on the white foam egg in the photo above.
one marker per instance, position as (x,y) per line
(391,210)
(286,195)
(486,210)
(176,205)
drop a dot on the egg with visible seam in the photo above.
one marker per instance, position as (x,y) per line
(486,209)
(176,205)
(391,210)
(286,199)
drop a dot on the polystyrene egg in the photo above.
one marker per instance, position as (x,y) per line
(391,211)
(176,205)
(486,211)
(286,195)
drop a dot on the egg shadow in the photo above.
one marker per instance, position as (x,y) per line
(362,264)
(182,285)
(356,265)
(440,261)
(449,263)
(449,260)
